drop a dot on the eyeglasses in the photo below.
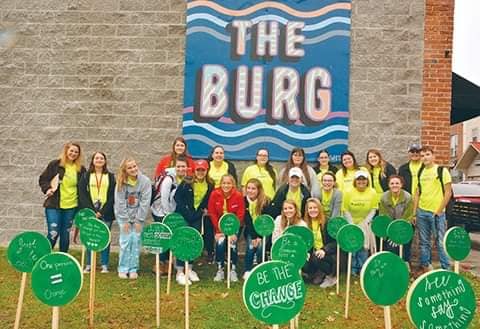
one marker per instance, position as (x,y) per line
(262,155)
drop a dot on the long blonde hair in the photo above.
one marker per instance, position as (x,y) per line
(296,218)
(64,159)
(262,199)
(321,215)
(122,175)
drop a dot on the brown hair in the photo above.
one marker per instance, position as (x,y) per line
(321,214)
(63,156)
(303,166)
(355,164)
(382,162)
(402,181)
(262,199)
(284,221)
(122,175)
(91,168)
(174,155)
(427,148)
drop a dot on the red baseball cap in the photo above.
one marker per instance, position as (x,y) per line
(201,164)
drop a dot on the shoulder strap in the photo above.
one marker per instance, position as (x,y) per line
(440,178)
(420,171)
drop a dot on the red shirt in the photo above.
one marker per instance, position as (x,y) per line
(235,205)
(166,162)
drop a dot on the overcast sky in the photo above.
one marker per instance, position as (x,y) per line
(466,40)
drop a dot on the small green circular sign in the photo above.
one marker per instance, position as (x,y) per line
(384,278)
(290,248)
(400,231)
(274,292)
(334,225)
(229,224)
(441,299)
(26,249)
(94,234)
(174,220)
(264,225)
(156,238)
(304,232)
(186,244)
(82,215)
(350,238)
(380,225)
(457,243)
(57,279)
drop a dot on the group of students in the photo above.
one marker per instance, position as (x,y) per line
(203,190)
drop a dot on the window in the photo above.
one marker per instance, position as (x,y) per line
(453,145)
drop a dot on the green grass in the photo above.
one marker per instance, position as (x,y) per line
(131,304)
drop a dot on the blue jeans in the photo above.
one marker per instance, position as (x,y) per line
(59,223)
(221,247)
(105,253)
(130,245)
(358,259)
(427,224)
(250,252)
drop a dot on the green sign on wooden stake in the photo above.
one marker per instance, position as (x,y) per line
(400,231)
(380,225)
(457,243)
(350,238)
(94,234)
(26,249)
(290,248)
(82,215)
(264,225)
(303,232)
(334,225)
(186,244)
(174,220)
(156,238)
(229,224)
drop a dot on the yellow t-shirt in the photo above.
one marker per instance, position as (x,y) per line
(199,191)
(414,168)
(359,204)
(263,176)
(68,188)
(432,196)
(317,235)
(216,174)
(326,199)
(98,190)
(252,209)
(345,182)
(132,181)
(295,196)
(395,200)
(376,180)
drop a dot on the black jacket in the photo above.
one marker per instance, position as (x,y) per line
(329,243)
(405,172)
(185,203)
(85,201)
(389,171)
(275,208)
(249,229)
(47,175)
(331,168)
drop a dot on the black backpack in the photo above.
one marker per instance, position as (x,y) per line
(439,177)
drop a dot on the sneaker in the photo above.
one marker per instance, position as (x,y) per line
(193,276)
(181,280)
(318,278)
(104,269)
(220,276)
(122,275)
(211,259)
(328,282)
(233,276)
(246,275)
(133,275)
(87,269)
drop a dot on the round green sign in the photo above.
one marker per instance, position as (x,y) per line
(384,278)
(457,243)
(380,225)
(174,220)
(304,232)
(441,299)
(57,279)
(156,238)
(334,225)
(186,243)
(94,234)
(274,292)
(290,248)
(350,238)
(229,224)
(264,225)
(26,249)
(400,231)
(82,215)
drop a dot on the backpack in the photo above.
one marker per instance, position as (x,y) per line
(157,183)
(439,177)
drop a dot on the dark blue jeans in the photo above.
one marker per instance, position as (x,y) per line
(105,253)
(221,247)
(428,224)
(251,252)
(59,223)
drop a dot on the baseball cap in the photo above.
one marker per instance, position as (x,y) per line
(414,147)
(361,173)
(295,172)
(201,164)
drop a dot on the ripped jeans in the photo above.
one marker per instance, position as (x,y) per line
(59,223)
(130,245)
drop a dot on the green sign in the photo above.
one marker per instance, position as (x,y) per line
(94,234)
(57,279)
(186,243)
(350,238)
(400,231)
(304,232)
(457,243)
(82,215)
(334,225)
(156,238)
(290,248)
(380,225)
(174,221)
(441,299)
(264,225)
(384,278)
(274,292)
(26,249)
(229,224)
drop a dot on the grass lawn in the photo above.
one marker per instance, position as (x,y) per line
(131,304)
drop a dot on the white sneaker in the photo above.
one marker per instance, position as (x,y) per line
(233,276)
(104,269)
(193,276)
(122,275)
(246,275)
(87,269)
(133,275)
(220,276)
(181,280)
(329,281)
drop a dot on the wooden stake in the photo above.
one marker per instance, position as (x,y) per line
(387,316)
(187,308)
(55,317)
(338,269)
(91,305)
(169,279)
(456,266)
(263,249)
(349,272)
(381,244)
(275,326)
(228,262)
(292,324)
(82,258)
(157,275)
(202,231)
(400,249)
(20,300)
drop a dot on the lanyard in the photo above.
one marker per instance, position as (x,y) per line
(99,183)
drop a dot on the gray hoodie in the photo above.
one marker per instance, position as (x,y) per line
(132,202)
